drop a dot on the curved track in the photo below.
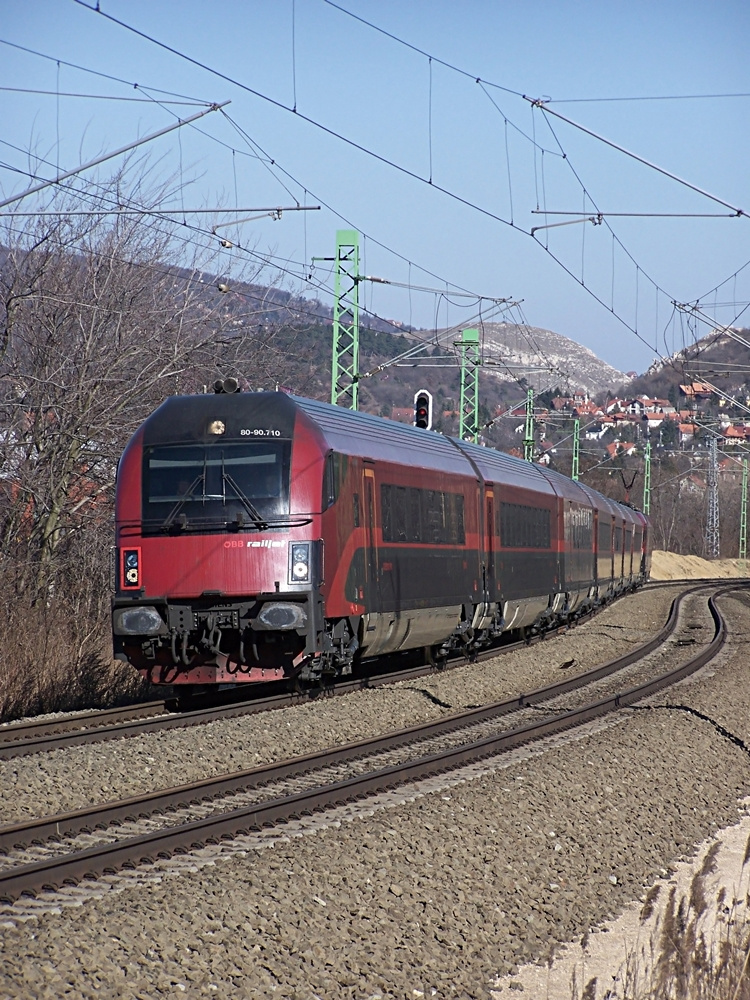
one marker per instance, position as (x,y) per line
(190,816)
(36,736)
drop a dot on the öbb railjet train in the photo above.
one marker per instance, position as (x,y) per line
(262,536)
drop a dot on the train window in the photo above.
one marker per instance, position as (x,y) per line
(329,482)
(333,476)
(427,517)
(524,527)
(215,483)
(581,529)
(618,538)
(605,536)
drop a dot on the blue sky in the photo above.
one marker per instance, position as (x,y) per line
(499,160)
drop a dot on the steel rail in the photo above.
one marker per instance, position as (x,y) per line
(103,858)
(83,729)
(82,820)
(32,737)
(34,729)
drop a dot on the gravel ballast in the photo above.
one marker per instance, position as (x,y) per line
(435,896)
(63,780)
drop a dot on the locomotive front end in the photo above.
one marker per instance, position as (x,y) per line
(219,557)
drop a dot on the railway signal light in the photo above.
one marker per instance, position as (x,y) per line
(423,409)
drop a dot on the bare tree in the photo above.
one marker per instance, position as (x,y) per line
(101,318)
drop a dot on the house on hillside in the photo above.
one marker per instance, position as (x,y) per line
(403,414)
(733,435)
(620,449)
(687,433)
(696,391)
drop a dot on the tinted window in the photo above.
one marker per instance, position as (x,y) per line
(428,517)
(213,484)
(524,527)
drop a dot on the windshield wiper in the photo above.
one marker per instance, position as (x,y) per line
(188,495)
(253,511)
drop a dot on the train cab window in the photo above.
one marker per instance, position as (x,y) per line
(210,485)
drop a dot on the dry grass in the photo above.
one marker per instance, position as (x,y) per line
(696,950)
(55,658)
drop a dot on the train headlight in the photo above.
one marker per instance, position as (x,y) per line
(282,615)
(143,620)
(130,569)
(299,562)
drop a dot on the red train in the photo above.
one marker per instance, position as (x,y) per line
(262,536)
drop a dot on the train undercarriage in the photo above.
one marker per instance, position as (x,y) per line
(277,637)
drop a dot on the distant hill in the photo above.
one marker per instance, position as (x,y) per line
(565,362)
(720,358)
(510,351)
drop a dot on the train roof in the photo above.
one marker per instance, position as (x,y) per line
(500,467)
(351,432)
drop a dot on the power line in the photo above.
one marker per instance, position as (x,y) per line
(421,52)
(404,170)
(311,121)
(657,97)
(96,97)
(94,72)
(342,138)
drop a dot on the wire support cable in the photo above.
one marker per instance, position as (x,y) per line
(542,105)
(109,156)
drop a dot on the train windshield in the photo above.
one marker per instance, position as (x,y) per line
(190,487)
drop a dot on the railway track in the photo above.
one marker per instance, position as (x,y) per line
(37,736)
(48,853)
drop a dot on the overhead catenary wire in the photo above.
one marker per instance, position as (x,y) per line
(376,155)
(104,76)
(356,145)
(99,97)
(632,327)
(646,97)
(264,261)
(542,105)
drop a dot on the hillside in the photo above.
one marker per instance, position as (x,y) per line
(568,364)
(300,329)
(719,357)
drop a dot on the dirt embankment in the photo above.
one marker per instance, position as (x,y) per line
(670,566)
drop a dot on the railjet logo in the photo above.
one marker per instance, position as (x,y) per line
(266,543)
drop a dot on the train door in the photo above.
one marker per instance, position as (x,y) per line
(371,561)
(595,549)
(611,543)
(628,554)
(490,585)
